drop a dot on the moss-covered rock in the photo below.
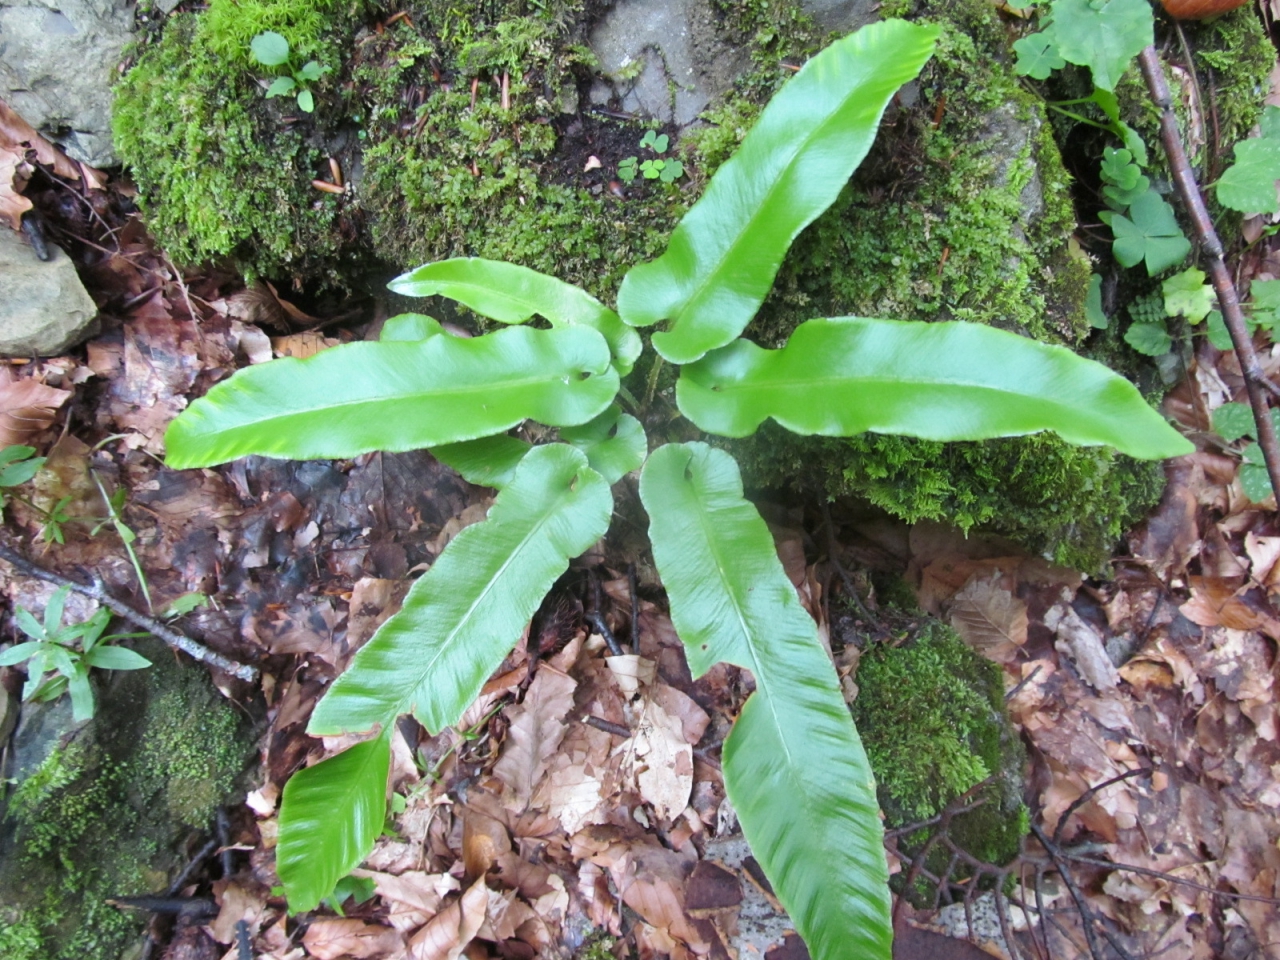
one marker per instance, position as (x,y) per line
(221,171)
(931,715)
(107,812)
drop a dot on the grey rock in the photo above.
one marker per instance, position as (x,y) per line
(58,60)
(44,308)
(665,57)
(842,15)
(41,728)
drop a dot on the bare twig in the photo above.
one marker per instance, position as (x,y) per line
(1162,875)
(96,591)
(1255,381)
(1088,795)
(1086,915)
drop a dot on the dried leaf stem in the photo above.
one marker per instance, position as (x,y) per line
(96,591)
(1255,381)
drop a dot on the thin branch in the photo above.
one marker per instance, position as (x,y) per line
(1088,795)
(96,591)
(1255,381)
(1162,875)
(1086,915)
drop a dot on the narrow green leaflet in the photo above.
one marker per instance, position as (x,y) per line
(330,816)
(1108,104)
(397,396)
(1038,55)
(794,766)
(410,326)
(1093,311)
(614,443)
(1103,35)
(1149,233)
(939,381)
(467,612)
(1250,185)
(725,252)
(487,462)
(512,294)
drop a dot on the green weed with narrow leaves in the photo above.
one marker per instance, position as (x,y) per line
(794,767)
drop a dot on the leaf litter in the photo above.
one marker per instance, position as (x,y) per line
(581,797)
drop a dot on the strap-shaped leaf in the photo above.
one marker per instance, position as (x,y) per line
(467,612)
(512,294)
(793,764)
(614,443)
(330,816)
(940,381)
(397,396)
(487,462)
(724,254)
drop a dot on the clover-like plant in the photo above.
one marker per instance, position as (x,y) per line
(794,767)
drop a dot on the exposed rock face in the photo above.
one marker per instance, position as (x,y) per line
(44,308)
(665,57)
(58,60)
(842,15)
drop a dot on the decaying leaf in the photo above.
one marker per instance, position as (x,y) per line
(342,938)
(450,930)
(1083,645)
(26,407)
(537,727)
(989,618)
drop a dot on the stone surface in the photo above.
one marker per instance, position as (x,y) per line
(665,57)
(842,15)
(44,308)
(57,63)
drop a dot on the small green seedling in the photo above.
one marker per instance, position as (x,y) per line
(59,657)
(654,168)
(272,50)
(1234,421)
(17,466)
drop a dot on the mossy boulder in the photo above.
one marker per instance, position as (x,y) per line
(931,715)
(107,813)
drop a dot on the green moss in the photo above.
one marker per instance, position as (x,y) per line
(220,171)
(931,715)
(105,814)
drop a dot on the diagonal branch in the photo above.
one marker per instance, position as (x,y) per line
(1255,381)
(96,591)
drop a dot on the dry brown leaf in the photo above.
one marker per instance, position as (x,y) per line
(1263,553)
(450,930)
(571,794)
(302,345)
(1083,645)
(660,761)
(632,672)
(537,728)
(26,408)
(414,896)
(1218,603)
(13,178)
(484,840)
(237,902)
(340,938)
(989,618)
(16,133)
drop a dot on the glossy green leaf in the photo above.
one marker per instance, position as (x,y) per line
(270,49)
(723,255)
(410,326)
(306,101)
(794,766)
(1217,332)
(1250,184)
(487,462)
(330,815)
(512,294)
(397,396)
(1150,232)
(938,381)
(1186,294)
(614,443)
(1103,35)
(467,612)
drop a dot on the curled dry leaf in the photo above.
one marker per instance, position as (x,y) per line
(17,137)
(26,408)
(450,930)
(350,938)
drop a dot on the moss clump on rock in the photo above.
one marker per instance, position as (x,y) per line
(221,171)
(931,715)
(107,811)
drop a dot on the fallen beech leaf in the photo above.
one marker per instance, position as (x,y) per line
(1217,603)
(1263,553)
(572,796)
(661,761)
(237,903)
(450,930)
(484,840)
(16,133)
(537,727)
(12,179)
(1083,644)
(989,618)
(336,939)
(632,672)
(26,408)
(302,345)
(414,896)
